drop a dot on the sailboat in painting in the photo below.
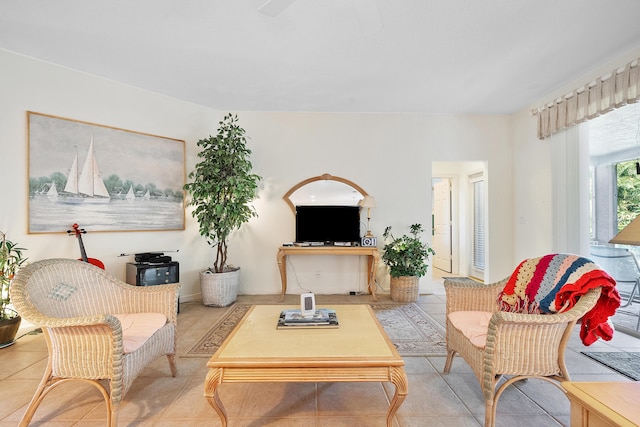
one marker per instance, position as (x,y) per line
(85,186)
(52,194)
(130,194)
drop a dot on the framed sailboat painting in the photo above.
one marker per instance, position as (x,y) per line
(105,178)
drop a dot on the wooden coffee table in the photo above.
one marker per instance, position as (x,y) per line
(256,351)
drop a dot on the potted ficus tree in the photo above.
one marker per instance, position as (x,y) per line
(11,259)
(222,187)
(406,258)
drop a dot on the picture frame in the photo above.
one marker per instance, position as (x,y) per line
(102,177)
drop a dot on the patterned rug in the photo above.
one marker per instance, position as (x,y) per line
(628,364)
(409,327)
(213,338)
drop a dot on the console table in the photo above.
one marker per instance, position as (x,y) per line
(370,251)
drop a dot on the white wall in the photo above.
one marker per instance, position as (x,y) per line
(29,85)
(532,205)
(389,155)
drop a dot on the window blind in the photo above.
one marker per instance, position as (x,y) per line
(478,255)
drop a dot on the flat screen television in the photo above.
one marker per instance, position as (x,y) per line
(327,224)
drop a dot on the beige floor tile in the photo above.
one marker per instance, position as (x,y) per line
(191,403)
(274,422)
(430,395)
(352,399)
(15,361)
(66,402)
(48,423)
(147,399)
(157,399)
(15,395)
(352,421)
(433,421)
(279,400)
(187,422)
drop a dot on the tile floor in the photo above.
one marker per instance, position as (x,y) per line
(157,399)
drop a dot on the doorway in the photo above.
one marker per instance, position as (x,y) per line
(459,216)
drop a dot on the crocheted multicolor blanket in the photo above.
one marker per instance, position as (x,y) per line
(554,283)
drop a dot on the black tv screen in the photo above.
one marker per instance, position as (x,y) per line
(327,224)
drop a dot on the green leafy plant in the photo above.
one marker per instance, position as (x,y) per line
(222,187)
(628,193)
(406,255)
(11,259)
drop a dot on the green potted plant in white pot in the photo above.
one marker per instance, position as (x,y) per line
(406,258)
(222,187)
(11,259)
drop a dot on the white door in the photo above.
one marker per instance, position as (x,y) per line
(442,225)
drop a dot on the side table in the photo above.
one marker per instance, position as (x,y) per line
(600,404)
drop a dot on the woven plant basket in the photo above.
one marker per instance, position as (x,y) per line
(219,289)
(404,288)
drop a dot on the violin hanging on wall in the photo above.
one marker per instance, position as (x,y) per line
(78,232)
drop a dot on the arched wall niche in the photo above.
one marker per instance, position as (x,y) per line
(325,189)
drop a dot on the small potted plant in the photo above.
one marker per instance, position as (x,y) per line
(406,258)
(11,259)
(222,187)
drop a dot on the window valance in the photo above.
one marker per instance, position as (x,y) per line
(616,89)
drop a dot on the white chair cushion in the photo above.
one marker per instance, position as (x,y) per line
(472,324)
(138,327)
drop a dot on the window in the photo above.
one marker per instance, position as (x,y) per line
(628,195)
(614,153)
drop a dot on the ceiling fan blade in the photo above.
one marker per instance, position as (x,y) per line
(274,7)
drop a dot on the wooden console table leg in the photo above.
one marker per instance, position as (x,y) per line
(372,268)
(282,266)
(399,380)
(211,383)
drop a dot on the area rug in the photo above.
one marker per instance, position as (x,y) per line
(628,364)
(409,327)
(213,338)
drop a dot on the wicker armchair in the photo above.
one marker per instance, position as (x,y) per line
(522,345)
(74,302)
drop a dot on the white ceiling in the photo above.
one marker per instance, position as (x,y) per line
(432,56)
